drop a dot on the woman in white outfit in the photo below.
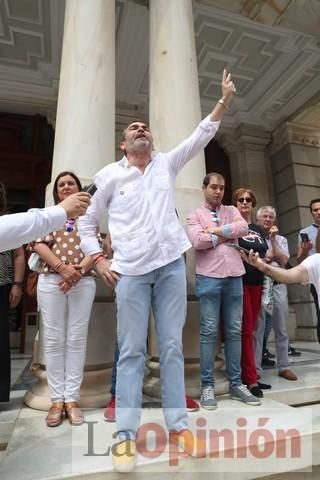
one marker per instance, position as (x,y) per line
(66,289)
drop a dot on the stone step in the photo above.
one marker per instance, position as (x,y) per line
(36,452)
(9,413)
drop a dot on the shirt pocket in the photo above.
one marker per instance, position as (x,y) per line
(162,181)
(124,199)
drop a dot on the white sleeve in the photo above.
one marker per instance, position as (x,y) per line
(20,228)
(312,264)
(193,145)
(283,244)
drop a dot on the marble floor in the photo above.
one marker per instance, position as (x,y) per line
(31,451)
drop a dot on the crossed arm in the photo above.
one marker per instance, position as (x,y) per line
(201,235)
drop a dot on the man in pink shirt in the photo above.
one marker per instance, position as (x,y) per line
(219,269)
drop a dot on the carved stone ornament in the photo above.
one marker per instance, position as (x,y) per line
(294,133)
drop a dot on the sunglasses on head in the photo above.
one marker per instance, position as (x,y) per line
(243,199)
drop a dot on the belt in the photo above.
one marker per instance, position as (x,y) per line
(277,283)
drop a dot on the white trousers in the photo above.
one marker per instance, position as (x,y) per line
(65,329)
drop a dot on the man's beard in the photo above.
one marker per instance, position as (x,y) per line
(140,145)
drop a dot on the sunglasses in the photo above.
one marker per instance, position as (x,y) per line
(245,199)
(214,216)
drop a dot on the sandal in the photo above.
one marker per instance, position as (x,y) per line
(55,415)
(74,413)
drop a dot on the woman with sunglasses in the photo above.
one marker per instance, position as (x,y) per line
(245,200)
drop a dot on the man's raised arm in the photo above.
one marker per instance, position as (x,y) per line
(206,129)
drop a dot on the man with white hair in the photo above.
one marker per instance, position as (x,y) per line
(278,256)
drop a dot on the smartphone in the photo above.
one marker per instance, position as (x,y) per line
(304,237)
(237,247)
(90,189)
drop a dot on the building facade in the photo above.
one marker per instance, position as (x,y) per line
(87,68)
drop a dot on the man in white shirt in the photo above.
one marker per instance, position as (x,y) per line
(277,255)
(19,228)
(306,273)
(147,268)
(309,244)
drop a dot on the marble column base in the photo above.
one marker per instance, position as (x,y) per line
(99,358)
(94,390)
(152,385)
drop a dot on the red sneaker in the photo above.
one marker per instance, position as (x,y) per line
(192,405)
(110,411)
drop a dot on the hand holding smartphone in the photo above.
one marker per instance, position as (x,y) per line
(304,237)
(90,189)
(237,247)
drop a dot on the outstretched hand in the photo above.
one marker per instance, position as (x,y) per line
(228,90)
(227,85)
(253,259)
(76,204)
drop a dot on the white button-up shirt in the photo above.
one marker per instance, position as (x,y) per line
(145,231)
(312,264)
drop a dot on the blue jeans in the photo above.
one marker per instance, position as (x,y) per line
(267,331)
(163,289)
(220,296)
(114,370)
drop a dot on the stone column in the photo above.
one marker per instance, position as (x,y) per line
(84,143)
(249,160)
(85,120)
(295,158)
(174,113)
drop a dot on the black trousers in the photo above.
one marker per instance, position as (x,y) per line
(5,370)
(315,298)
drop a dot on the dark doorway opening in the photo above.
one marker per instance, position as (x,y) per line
(218,161)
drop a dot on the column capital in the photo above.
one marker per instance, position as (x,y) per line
(245,137)
(252,138)
(296,133)
(226,140)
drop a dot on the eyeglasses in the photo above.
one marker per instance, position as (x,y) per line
(245,199)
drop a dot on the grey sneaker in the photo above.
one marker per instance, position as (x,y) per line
(207,399)
(242,393)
